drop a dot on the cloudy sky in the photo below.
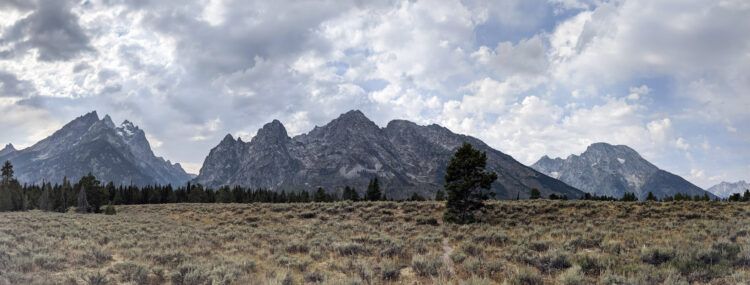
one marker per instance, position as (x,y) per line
(530,77)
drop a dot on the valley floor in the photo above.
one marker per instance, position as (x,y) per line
(522,242)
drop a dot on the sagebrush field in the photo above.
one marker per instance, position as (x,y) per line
(520,242)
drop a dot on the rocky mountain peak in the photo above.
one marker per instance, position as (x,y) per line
(108,122)
(87,144)
(726,189)
(351,150)
(228,139)
(90,116)
(602,148)
(612,170)
(400,124)
(9,148)
(354,119)
(82,122)
(273,132)
(128,129)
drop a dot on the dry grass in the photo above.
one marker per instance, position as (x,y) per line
(521,242)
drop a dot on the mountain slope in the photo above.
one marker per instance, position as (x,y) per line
(351,150)
(726,189)
(87,144)
(605,169)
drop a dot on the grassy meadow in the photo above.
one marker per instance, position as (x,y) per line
(520,242)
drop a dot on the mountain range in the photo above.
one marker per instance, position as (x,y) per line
(121,154)
(350,150)
(725,189)
(612,170)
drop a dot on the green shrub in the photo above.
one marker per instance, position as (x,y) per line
(430,221)
(390,271)
(307,215)
(347,249)
(496,239)
(96,279)
(189,275)
(110,210)
(526,276)
(590,264)
(553,261)
(572,276)
(314,277)
(132,272)
(656,256)
(426,265)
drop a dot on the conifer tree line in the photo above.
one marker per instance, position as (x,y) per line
(631,197)
(89,195)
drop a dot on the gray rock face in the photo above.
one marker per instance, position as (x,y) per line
(610,170)
(351,150)
(118,154)
(8,149)
(726,189)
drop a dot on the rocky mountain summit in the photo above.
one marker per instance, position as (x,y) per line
(612,170)
(9,148)
(350,150)
(726,189)
(121,154)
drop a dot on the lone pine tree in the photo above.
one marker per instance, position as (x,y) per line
(465,182)
(95,195)
(11,196)
(535,194)
(373,191)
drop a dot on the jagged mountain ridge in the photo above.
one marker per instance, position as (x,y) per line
(9,148)
(612,170)
(726,189)
(350,150)
(121,154)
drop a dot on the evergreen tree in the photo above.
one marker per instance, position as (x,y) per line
(320,195)
(66,196)
(416,197)
(735,197)
(465,182)
(535,194)
(629,197)
(83,204)
(11,195)
(440,195)
(746,196)
(45,203)
(95,195)
(350,194)
(650,197)
(195,193)
(224,195)
(7,172)
(110,210)
(373,191)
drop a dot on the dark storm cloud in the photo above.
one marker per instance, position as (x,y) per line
(52,29)
(11,86)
